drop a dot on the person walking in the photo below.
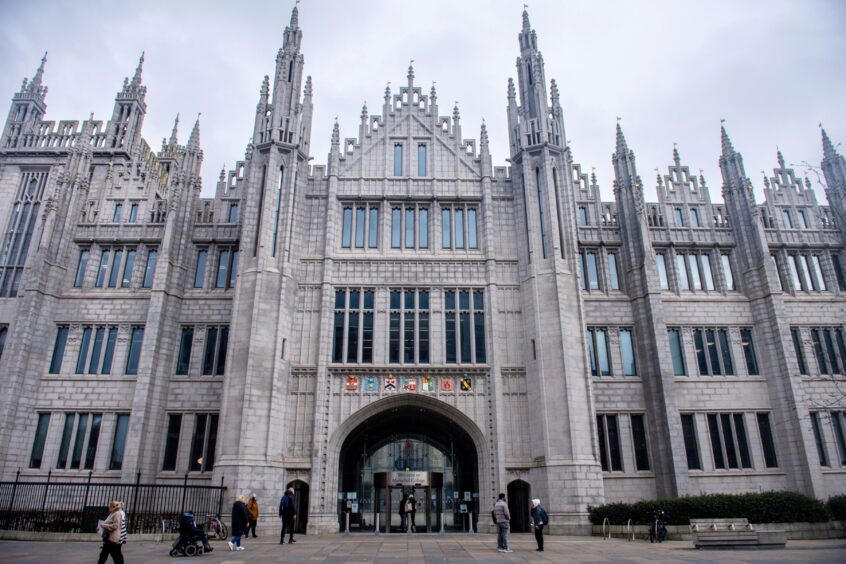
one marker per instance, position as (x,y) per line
(410,513)
(240,518)
(539,520)
(503,518)
(288,513)
(110,529)
(253,512)
(402,514)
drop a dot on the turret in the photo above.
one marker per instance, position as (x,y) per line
(27,109)
(124,128)
(834,169)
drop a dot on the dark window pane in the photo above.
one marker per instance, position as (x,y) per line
(115,272)
(450,337)
(408,339)
(186,342)
(815,336)
(93,438)
(627,353)
(197,443)
(423,228)
(592,272)
(352,329)
(409,228)
(832,356)
(64,446)
(446,230)
(221,350)
(338,338)
(459,229)
(373,228)
(742,442)
(104,267)
(200,272)
(592,352)
(119,443)
(691,446)
(614,443)
(355,299)
(815,424)
(612,271)
(699,346)
(340,299)
(152,255)
(109,353)
(83,350)
(97,347)
(174,425)
(465,336)
(797,348)
(726,353)
(838,272)
(134,350)
(728,436)
(396,228)
(81,428)
(749,351)
(367,338)
(840,439)
(479,335)
(80,268)
(39,440)
(639,439)
(716,444)
(126,280)
(423,338)
(368,299)
(395,299)
(472,237)
(711,341)
(222,268)
(211,444)
(59,350)
(208,353)
(394,338)
(603,359)
(359,227)
(603,454)
(767,441)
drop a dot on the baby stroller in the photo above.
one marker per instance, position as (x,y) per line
(190,540)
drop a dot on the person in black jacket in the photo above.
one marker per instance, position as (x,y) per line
(539,519)
(190,532)
(288,513)
(240,518)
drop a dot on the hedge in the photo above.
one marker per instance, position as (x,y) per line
(766,507)
(837,507)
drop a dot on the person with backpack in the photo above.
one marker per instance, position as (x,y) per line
(539,520)
(111,530)
(289,514)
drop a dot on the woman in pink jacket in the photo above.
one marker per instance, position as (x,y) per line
(111,534)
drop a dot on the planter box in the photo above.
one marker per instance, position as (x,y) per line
(794,531)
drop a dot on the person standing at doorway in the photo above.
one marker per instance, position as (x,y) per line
(503,519)
(288,513)
(539,520)
(253,512)
(240,519)
(403,516)
(410,513)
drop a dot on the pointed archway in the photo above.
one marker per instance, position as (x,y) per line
(519,495)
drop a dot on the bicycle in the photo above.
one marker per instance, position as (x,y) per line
(215,528)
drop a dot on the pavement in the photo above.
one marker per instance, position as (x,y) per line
(421,548)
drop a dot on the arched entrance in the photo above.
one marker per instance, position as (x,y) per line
(411,446)
(300,505)
(519,495)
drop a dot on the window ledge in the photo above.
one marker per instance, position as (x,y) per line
(736,472)
(642,474)
(720,378)
(197,379)
(91,377)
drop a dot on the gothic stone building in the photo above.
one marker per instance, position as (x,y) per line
(410,317)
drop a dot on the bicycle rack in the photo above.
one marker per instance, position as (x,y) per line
(630,534)
(606,529)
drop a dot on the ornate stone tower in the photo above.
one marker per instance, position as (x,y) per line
(254,414)
(565,470)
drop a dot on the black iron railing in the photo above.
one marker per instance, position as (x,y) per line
(65,506)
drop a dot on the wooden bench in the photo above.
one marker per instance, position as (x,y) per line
(733,533)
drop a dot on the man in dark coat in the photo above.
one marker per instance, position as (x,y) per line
(288,513)
(190,531)
(240,518)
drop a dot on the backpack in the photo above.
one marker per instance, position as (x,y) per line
(123,531)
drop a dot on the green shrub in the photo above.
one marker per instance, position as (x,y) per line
(766,507)
(837,507)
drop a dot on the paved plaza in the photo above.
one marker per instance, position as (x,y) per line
(426,549)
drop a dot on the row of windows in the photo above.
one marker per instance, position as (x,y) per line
(20,230)
(410,226)
(225,267)
(116,267)
(728,439)
(117,214)
(79,441)
(807,272)
(829,349)
(693,271)
(214,352)
(599,352)
(97,349)
(713,351)
(408,326)
(610,451)
(590,273)
(838,429)
(203,441)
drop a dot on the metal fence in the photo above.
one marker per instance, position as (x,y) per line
(63,506)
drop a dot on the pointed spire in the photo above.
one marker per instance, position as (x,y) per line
(388,93)
(829,151)
(295,17)
(779,157)
(265,89)
(173,140)
(701,179)
(483,137)
(526,25)
(659,180)
(194,140)
(35,83)
(433,94)
(223,172)
(512,94)
(308,90)
(728,148)
(766,180)
(136,79)
(410,75)
(336,136)
(676,157)
(622,147)
(364,112)
(456,115)
(553,87)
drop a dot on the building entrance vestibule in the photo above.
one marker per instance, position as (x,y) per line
(403,451)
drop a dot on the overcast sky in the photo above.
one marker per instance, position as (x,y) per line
(773,69)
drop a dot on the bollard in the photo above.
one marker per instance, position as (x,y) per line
(443,531)
(471,531)
(347,531)
(376,530)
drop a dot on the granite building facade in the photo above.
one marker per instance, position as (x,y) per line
(411,317)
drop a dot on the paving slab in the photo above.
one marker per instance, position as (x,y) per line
(428,549)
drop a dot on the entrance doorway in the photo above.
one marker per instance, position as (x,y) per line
(300,505)
(519,494)
(408,450)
